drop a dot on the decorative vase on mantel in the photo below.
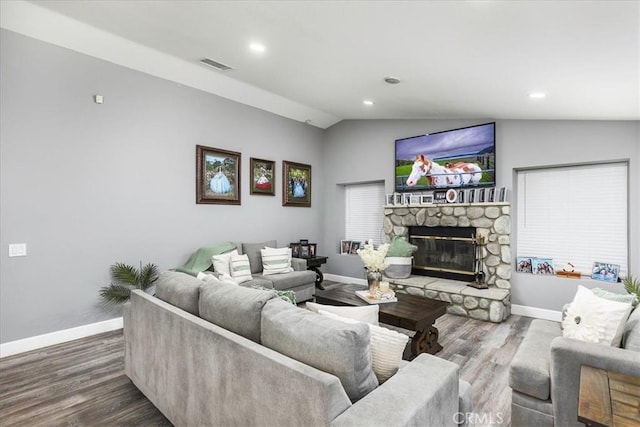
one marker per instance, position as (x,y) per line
(373,279)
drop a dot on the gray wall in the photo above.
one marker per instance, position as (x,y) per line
(363,150)
(86,185)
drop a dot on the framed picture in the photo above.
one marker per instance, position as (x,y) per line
(451,195)
(491,195)
(440,196)
(295,250)
(217,176)
(426,199)
(296,184)
(354,248)
(397,198)
(312,249)
(461,196)
(304,251)
(480,195)
(523,265)
(542,266)
(415,199)
(262,177)
(304,241)
(502,194)
(471,197)
(605,271)
(388,199)
(345,246)
(406,199)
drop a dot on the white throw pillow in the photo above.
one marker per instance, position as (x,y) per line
(240,268)
(386,346)
(208,277)
(221,263)
(367,314)
(591,318)
(276,261)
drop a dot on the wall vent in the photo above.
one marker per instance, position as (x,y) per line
(215,64)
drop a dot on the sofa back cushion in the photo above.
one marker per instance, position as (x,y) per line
(631,332)
(234,307)
(252,250)
(330,345)
(180,290)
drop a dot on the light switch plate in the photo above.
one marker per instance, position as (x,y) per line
(17,249)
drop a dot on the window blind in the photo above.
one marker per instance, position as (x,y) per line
(364,212)
(574,214)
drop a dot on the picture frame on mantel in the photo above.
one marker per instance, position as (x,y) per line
(296,184)
(262,177)
(217,176)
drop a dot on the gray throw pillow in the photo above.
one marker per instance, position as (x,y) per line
(631,332)
(252,250)
(327,344)
(234,307)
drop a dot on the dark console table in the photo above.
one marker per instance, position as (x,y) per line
(314,264)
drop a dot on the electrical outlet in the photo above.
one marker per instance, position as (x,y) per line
(17,249)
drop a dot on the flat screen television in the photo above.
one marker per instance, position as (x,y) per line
(457,158)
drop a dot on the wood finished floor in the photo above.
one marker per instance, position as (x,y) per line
(82,383)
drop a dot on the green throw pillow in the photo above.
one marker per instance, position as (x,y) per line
(401,248)
(288,296)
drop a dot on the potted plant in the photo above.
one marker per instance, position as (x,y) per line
(632,286)
(126,278)
(399,258)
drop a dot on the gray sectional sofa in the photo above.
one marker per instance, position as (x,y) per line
(544,374)
(219,354)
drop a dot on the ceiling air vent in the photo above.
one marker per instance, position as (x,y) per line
(217,65)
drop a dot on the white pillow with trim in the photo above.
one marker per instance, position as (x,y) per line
(276,260)
(603,320)
(386,346)
(240,268)
(221,263)
(366,313)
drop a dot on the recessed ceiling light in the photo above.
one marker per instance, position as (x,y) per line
(537,95)
(392,80)
(257,47)
(368,102)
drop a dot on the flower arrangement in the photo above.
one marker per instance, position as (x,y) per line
(374,259)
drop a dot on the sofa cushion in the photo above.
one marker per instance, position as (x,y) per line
(365,313)
(240,268)
(179,289)
(234,307)
(276,261)
(252,250)
(631,332)
(529,372)
(330,345)
(290,280)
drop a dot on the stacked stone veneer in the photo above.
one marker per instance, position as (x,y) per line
(491,221)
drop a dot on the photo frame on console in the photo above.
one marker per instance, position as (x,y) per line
(217,176)
(345,247)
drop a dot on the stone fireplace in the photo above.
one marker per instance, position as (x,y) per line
(491,221)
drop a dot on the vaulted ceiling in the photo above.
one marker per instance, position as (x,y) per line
(454,59)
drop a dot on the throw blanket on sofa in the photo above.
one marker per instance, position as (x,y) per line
(201,259)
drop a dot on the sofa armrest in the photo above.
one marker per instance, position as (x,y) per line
(567,357)
(423,393)
(298,264)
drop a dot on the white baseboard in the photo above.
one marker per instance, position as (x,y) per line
(520,310)
(58,337)
(538,313)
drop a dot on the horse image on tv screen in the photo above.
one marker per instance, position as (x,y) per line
(452,159)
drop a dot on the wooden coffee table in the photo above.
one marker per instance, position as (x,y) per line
(409,312)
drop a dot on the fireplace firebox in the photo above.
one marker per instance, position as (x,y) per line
(445,252)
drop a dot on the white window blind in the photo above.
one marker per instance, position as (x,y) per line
(365,212)
(574,214)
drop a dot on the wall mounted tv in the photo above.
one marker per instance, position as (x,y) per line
(457,158)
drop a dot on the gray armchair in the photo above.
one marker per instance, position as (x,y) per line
(545,372)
